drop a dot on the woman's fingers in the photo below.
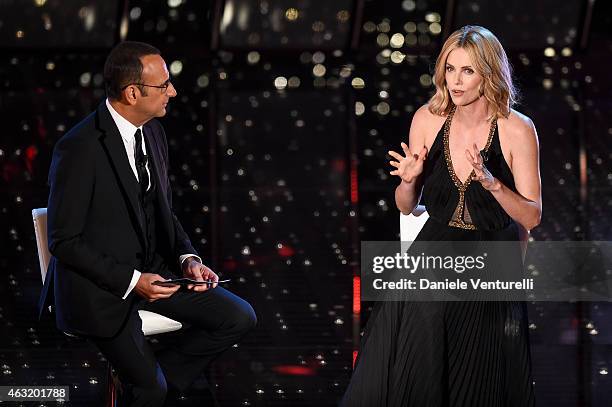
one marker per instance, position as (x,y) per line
(474,160)
(480,171)
(406,150)
(478,167)
(469,156)
(395,155)
(423,153)
(404,165)
(477,155)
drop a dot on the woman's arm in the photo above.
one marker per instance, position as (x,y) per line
(410,167)
(525,207)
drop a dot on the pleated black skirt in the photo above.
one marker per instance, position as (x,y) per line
(444,354)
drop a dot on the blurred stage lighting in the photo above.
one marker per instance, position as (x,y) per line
(58,23)
(527,24)
(285,24)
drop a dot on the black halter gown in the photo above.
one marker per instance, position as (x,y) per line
(449,354)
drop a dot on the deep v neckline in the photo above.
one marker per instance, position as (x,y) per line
(462,186)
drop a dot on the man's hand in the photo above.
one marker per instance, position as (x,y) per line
(193,269)
(150,292)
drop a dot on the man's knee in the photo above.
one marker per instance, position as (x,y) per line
(243,320)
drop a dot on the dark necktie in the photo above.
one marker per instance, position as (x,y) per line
(141,163)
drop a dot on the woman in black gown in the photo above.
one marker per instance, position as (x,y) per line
(477,172)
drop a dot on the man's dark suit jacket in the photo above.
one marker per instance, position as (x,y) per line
(95,227)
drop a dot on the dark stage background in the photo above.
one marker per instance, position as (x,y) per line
(278,137)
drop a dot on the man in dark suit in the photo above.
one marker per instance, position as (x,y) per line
(112,233)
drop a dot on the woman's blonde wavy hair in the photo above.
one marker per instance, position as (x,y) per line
(489,60)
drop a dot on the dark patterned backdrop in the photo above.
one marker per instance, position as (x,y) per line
(278,139)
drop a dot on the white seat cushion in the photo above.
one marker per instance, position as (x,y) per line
(411,225)
(153,324)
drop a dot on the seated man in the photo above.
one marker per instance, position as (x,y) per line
(112,233)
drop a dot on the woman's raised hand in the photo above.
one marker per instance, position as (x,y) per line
(481,173)
(408,168)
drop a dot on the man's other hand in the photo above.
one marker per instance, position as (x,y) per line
(150,292)
(193,269)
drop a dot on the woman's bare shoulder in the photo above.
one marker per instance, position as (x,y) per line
(425,125)
(424,117)
(518,122)
(426,122)
(517,128)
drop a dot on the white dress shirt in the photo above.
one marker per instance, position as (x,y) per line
(127,131)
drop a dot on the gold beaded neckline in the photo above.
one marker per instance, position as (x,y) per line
(458,219)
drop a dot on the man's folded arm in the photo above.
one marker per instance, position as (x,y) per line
(71,180)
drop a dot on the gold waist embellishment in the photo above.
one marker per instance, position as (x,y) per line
(461,217)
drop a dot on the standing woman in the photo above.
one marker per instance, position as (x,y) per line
(474,162)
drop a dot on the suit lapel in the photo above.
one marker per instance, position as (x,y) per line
(115,150)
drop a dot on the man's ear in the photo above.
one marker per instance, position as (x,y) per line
(130,94)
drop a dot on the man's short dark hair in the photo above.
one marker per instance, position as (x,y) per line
(123,66)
